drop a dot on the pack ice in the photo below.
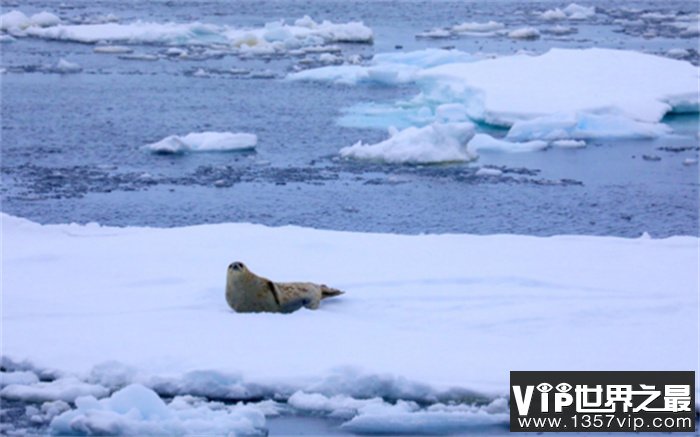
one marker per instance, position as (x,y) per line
(204,142)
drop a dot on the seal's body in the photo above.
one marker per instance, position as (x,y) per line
(247,292)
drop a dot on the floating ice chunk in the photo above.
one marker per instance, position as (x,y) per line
(14,21)
(65,389)
(345,32)
(112,49)
(137,410)
(329,58)
(560,30)
(476,27)
(525,33)
(484,142)
(67,67)
(553,14)
(434,143)
(44,19)
(435,33)
(578,12)
(204,142)
(570,144)
(582,126)
(603,81)
(487,171)
(4,38)
(677,53)
(18,378)
(690,161)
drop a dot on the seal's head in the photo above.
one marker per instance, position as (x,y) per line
(237,271)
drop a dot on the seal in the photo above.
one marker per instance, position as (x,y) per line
(247,292)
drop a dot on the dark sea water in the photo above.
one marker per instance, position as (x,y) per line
(71,143)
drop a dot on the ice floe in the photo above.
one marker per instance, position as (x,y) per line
(204,141)
(578,12)
(524,33)
(66,67)
(112,49)
(470,28)
(66,305)
(437,142)
(561,94)
(273,37)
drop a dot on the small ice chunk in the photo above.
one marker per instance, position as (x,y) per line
(14,21)
(524,33)
(553,14)
(678,53)
(560,30)
(578,12)
(329,58)
(67,67)
(437,142)
(44,19)
(487,171)
(476,27)
(204,142)
(690,161)
(568,143)
(6,38)
(435,33)
(112,49)
(482,142)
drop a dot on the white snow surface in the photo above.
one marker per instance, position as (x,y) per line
(204,142)
(601,81)
(437,142)
(422,315)
(273,37)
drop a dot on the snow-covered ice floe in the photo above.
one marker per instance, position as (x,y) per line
(470,28)
(563,94)
(136,323)
(16,21)
(204,142)
(274,37)
(437,142)
(571,12)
